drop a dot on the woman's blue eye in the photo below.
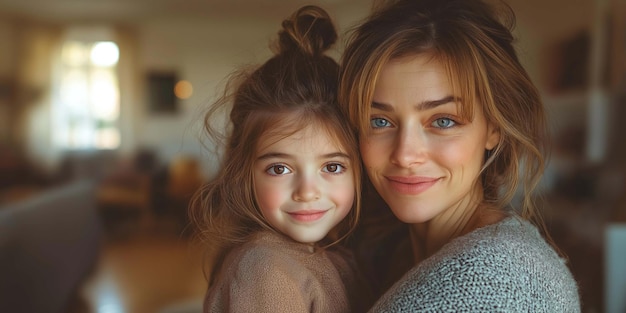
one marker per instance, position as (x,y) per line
(443,123)
(277,170)
(378,122)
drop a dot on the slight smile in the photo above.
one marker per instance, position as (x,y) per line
(412,185)
(307,215)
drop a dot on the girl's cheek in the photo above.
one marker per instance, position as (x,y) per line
(342,191)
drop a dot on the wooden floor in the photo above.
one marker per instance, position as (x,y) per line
(153,269)
(147,271)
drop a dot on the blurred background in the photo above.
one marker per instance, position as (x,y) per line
(101,108)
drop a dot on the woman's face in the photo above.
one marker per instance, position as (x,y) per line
(303,183)
(421,156)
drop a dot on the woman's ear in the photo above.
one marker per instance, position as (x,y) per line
(493,136)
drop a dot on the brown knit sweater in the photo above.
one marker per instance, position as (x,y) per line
(272,273)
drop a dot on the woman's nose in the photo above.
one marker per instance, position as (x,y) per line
(306,190)
(410,148)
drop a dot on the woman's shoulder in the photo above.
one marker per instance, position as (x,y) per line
(510,236)
(503,266)
(511,249)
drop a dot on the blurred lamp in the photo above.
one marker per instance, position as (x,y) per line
(105,53)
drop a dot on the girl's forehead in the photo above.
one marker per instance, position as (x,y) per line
(311,131)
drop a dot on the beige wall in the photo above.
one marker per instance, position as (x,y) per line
(205,50)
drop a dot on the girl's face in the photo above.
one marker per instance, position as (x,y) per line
(421,156)
(303,183)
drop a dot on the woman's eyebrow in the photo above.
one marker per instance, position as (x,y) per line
(425,105)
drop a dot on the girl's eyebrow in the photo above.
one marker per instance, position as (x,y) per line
(336,155)
(273,155)
(277,155)
(425,105)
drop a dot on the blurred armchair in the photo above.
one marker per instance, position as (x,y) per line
(178,183)
(125,193)
(49,245)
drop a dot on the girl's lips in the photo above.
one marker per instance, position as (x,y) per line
(411,185)
(307,215)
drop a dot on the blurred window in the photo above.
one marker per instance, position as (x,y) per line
(87,113)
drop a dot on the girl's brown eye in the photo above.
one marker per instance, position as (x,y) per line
(334,168)
(278,170)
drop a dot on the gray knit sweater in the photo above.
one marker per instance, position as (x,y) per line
(504,267)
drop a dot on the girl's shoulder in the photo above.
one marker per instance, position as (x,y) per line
(272,271)
(267,252)
(262,260)
(265,249)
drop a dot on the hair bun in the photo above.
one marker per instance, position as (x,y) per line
(309,30)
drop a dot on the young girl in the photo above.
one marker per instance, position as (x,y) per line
(288,179)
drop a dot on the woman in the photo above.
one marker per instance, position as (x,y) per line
(450,127)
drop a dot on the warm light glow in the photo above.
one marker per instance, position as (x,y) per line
(107,138)
(74,92)
(104,95)
(82,133)
(74,53)
(105,53)
(87,108)
(183,89)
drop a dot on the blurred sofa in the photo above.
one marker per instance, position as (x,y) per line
(49,244)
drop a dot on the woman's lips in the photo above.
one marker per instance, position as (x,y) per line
(411,185)
(307,215)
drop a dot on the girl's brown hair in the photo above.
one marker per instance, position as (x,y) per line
(295,88)
(474,42)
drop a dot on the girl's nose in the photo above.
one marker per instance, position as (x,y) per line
(307,189)
(410,148)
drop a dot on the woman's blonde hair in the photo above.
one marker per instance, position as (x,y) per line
(473,40)
(295,88)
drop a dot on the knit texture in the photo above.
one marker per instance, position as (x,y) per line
(504,267)
(272,273)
